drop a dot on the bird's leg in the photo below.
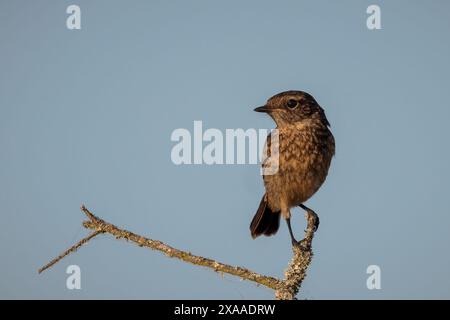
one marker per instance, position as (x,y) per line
(293,240)
(312,214)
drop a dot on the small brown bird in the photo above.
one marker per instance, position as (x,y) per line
(304,147)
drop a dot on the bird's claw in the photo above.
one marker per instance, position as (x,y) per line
(303,244)
(316,221)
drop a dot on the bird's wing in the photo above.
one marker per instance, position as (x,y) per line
(270,156)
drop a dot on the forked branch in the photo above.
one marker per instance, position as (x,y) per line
(284,289)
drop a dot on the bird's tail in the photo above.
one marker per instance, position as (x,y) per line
(265,221)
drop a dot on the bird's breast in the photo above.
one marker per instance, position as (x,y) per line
(304,155)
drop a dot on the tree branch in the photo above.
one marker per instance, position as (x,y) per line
(70,250)
(284,289)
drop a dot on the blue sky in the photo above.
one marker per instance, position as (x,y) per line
(86,116)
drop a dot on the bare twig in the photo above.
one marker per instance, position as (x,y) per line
(284,289)
(70,250)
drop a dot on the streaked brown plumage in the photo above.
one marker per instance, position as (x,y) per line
(305,146)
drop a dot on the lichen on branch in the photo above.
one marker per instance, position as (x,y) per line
(286,289)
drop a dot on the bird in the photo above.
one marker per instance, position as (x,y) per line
(302,146)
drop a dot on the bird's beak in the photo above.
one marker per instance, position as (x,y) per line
(262,109)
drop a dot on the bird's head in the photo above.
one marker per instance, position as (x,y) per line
(293,106)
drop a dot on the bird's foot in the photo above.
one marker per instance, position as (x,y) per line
(302,244)
(315,219)
(311,215)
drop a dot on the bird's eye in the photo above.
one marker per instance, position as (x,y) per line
(292,103)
